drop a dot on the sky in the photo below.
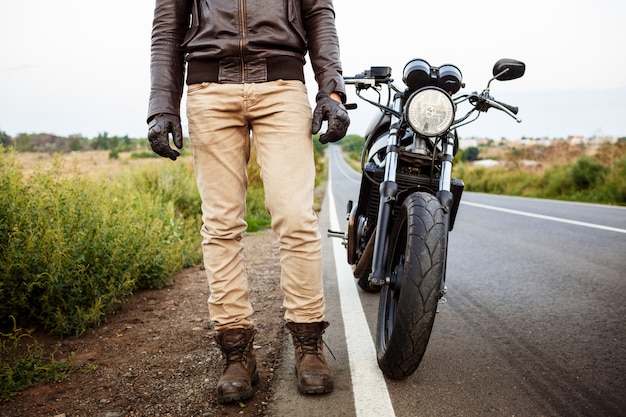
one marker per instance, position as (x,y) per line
(82,66)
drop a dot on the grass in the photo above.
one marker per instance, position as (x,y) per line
(23,363)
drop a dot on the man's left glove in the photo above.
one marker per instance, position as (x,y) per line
(159,128)
(330,109)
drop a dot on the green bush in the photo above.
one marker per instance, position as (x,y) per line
(173,183)
(587,172)
(499,181)
(256,215)
(556,181)
(613,188)
(469,154)
(321,172)
(74,248)
(319,148)
(353,146)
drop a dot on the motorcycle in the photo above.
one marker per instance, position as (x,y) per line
(397,237)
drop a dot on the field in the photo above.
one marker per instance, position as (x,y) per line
(91,163)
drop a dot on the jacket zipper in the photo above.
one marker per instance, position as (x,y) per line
(242,5)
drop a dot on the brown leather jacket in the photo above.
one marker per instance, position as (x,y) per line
(239,41)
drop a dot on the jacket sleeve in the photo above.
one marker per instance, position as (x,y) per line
(323,43)
(167,60)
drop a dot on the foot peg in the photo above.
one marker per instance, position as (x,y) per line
(338,234)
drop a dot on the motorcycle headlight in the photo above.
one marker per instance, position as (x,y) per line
(430,111)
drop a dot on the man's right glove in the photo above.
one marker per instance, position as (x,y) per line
(159,128)
(330,109)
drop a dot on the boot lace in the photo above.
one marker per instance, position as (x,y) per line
(235,353)
(310,344)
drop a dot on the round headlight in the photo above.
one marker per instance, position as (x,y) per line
(430,111)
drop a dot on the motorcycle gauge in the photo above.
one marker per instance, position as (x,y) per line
(430,111)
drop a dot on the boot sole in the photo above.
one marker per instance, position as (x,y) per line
(225,399)
(314,390)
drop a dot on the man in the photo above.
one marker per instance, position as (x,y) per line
(244,70)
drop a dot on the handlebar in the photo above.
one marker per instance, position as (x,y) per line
(377,76)
(483,102)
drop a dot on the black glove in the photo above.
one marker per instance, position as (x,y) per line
(330,109)
(159,128)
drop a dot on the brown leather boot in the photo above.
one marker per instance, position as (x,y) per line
(240,371)
(312,371)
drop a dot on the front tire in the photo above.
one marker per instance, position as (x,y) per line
(416,266)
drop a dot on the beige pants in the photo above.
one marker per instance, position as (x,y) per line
(221,117)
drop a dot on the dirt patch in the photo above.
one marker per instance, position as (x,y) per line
(157,356)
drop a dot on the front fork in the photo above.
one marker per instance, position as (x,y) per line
(388,194)
(446,198)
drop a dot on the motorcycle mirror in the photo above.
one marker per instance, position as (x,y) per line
(508,69)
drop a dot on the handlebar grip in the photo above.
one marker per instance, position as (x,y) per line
(512,109)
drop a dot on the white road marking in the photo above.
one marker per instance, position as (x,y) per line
(371,397)
(540,216)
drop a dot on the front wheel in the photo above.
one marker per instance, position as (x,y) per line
(416,257)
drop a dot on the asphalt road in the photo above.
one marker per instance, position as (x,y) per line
(533,323)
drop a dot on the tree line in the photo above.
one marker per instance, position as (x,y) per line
(49,143)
